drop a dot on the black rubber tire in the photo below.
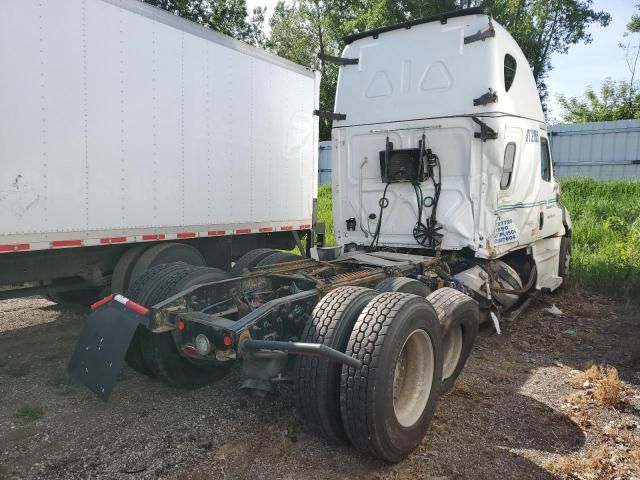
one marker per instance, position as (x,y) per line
(157,352)
(148,290)
(318,379)
(122,271)
(455,311)
(202,275)
(278,257)
(166,253)
(564,265)
(366,393)
(403,285)
(249,260)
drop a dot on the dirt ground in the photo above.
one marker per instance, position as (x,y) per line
(523,408)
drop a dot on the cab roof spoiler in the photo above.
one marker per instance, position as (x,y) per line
(442,17)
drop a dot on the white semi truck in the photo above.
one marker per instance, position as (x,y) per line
(446,211)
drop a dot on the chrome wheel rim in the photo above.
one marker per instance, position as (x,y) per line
(413,378)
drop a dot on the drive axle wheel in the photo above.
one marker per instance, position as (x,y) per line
(403,285)
(318,379)
(278,257)
(250,260)
(157,353)
(458,315)
(388,402)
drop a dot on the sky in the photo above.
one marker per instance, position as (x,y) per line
(583,65)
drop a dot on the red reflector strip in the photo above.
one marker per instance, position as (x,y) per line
(305,227)
(66,243)
(153,237)
(99,303)
(286,228)
(216,233)
(108,240)
(243,231)
(266,229)
(227,341)
(137,307)
(15,248)
(186,235)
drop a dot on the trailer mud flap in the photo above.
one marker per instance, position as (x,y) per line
(102,346)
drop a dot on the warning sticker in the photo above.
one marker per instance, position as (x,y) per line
(505,231)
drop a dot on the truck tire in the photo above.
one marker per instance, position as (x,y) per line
(122,271)
(278,257)
(166,253)
(146,291)
(388,402)
(403,285)
(318,379)
(564,265)
(200,276)
(157,352)
(458,315)
(249,260)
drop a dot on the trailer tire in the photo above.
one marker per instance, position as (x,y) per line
(166,253)
(318,379)
(388,402)
(249,260)
(458,315)
(278,257)
(403,285)
(124,266)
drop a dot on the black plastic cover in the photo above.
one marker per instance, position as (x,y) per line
(102,346)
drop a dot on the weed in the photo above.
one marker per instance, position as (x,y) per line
(30,413)
(605,381)
(606,234)
(596,464)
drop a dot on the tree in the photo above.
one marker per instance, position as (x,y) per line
(614,101)
(225,16)
(632,48)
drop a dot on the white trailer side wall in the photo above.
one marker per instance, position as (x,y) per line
(117,118)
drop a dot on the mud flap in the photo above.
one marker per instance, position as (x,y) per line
(102,346)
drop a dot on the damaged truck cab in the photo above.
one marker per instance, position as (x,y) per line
(455,98)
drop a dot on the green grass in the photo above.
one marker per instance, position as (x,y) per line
(325,213)
(606,232)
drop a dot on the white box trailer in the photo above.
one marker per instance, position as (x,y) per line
(122,123)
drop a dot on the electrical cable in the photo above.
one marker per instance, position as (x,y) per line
(427,233)
(384,203)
